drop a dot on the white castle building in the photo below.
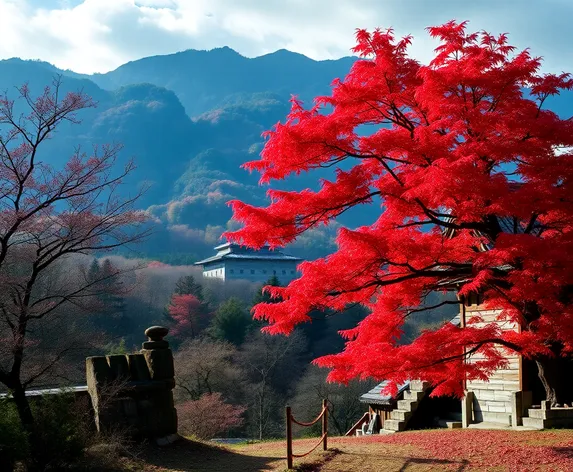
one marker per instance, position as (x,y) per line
(235,262)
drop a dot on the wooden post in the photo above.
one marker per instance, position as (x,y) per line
(289,438)
(325,424)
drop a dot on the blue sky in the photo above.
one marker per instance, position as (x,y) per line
(99,35)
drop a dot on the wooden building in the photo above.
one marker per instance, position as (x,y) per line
(506,399)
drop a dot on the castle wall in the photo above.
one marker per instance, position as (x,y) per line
(253,270)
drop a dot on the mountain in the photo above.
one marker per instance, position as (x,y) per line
(204,80)
(190,120)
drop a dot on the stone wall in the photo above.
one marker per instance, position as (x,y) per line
(134,391)
(493,399)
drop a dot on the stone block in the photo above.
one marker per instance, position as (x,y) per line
(516,409)
(401,415)
(413,395)
(511,385)
(499,407)
(144,404)
(536,423)
(503,395)
(394,425)
(408,405)
(97,371)
(155,345)
(467,409)
(159,363)
(138,367)
(418,385)
(119,367)
(496,417)
(483,395)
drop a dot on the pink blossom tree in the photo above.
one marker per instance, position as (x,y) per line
(208,416)
(47,215)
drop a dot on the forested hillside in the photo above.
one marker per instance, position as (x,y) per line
(189,120)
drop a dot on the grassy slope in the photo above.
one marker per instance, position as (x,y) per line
(437,450)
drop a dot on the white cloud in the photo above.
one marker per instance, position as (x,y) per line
(99,35)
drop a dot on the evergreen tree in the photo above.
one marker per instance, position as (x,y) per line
(187,285)
(263,296)
(231,322)
(93,271)
(113,315)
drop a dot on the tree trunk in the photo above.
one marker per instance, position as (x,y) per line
(28,424)
(23,407)
(551,376)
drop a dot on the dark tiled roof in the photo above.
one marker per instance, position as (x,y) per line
(266,257)
(234,251)
(375,397)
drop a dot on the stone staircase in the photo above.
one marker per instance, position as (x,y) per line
(544,417)
(406,407)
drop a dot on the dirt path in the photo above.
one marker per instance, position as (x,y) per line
(421,451)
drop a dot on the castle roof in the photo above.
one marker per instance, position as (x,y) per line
(230,251)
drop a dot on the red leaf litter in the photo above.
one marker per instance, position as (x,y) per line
(491,450)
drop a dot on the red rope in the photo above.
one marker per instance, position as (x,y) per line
(312,422)
(317,444)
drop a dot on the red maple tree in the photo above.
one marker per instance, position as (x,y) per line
(472,175)
(188,315)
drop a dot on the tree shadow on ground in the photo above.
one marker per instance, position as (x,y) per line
(400,463)
(414,461)
(187,455)
(565,451)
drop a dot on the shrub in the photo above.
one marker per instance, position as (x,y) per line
(13,442)
(208,416)
(63,430)
(62,427)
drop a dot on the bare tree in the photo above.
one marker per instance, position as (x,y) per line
(205,366)
(271,362)
(344,407)
(47,214)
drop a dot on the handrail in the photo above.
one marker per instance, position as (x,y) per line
(323,439)
(364,419)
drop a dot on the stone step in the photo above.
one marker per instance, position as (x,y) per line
(401,415)
(394,425)
(537,423)
(387,431)
(419,385)
(443,423)
(408,405)
(537,413)
(415,395)
(553,413)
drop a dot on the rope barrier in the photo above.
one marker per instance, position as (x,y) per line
(323,439)
(316,445)
(300,423)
